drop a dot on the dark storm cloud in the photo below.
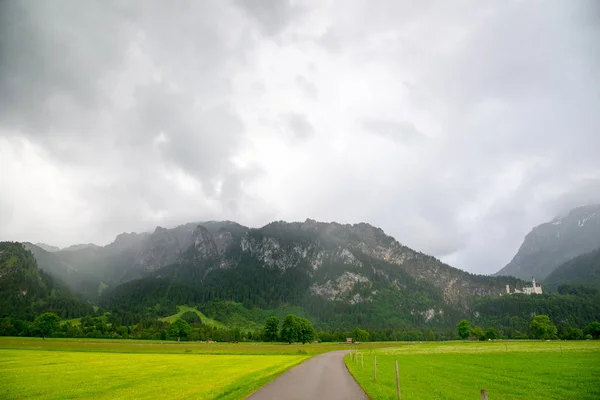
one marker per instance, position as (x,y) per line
(53,56)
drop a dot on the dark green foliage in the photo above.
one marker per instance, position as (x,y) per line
(582,270)
(306,331)
(27,291)
(593,329)
(179,329)
(360,335)
(478,333)
(271,329)
(46,323)
(290,329)
(191,317)
(464,329)
(542,327)
(491,334)
(573,306)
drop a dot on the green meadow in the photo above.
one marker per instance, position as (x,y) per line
(460,370)
(32,368)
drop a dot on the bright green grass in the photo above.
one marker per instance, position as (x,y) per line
(73,321)
(29,374)
(32,368)
(172,347)
(458,370)
(205,320)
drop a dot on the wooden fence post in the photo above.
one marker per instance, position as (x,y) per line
(398,380)
(484,395)
(362,360)
(374,368)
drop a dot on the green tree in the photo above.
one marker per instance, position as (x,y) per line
(478,333)
(360,335)
(271,328)
(306,331)
(191,317)
(491,333)
(179,329)
(290,328)
(593,329)
(46,323)
(542,327)
(464,329)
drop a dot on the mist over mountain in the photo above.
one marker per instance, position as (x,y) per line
(553,243)
(331,270)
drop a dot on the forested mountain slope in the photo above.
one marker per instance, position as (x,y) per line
(582,270)
(25,290)
(345,274)
(551,244)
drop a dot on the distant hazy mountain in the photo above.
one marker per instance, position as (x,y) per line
(582,270)
(48,247)
(553,243)
(80,246)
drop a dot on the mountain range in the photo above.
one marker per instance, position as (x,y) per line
(339,275)
(329,269)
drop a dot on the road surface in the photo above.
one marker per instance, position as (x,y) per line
(322,377)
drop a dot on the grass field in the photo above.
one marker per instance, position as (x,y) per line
(65,374)
(32,368)
(459,370)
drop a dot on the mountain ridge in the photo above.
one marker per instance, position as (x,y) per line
(332,270)
(553,243)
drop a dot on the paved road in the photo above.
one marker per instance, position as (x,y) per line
(322,377)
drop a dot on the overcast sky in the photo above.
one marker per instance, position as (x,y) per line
(456,126)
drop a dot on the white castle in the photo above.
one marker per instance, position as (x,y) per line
(535,288)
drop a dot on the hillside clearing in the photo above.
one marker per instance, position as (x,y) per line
(205,320)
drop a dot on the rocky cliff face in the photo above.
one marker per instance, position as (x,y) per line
(551,244)
(349,264)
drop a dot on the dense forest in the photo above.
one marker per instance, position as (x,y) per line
(245,301)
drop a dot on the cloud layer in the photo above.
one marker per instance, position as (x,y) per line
(456,127)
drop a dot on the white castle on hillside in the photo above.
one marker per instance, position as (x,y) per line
(535,288)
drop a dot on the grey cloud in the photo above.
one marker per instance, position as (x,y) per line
(47,65)
(272,15)
(507,94)
(400,131)
(299,125)
(308,87)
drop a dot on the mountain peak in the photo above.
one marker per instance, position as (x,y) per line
(48,247)
(552,243)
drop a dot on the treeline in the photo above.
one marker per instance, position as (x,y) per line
(574,307)
(540,327)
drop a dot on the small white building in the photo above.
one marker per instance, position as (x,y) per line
(535,288)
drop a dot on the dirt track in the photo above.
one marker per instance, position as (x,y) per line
(322,377)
